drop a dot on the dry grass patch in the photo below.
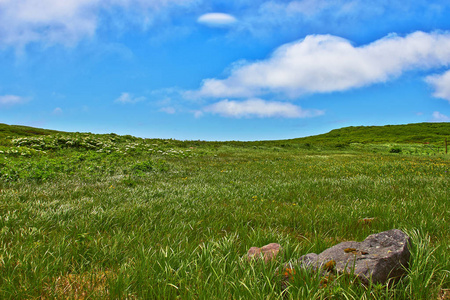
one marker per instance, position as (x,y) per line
(79,286)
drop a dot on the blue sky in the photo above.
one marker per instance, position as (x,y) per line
(223,70)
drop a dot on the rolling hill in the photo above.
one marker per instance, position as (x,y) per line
(410,133)
(432,133)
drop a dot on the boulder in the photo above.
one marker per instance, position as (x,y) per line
(309,260)
(378,258)
(267,252)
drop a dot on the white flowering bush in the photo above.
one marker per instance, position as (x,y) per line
(89,142)
(53,142)
(43,158)
(20,151)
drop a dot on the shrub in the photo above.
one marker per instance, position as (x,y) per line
(145,166)
(395,150)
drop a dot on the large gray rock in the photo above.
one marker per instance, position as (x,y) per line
(378,258)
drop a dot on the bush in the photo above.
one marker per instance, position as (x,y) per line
(145,166)
(395,150)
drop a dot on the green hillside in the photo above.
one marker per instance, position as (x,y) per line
(433,133)
(410,133)
(17,130)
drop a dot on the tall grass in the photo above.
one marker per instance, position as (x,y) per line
(137,219)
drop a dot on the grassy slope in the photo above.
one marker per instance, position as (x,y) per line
(17,131)
(115,216)
(410,133)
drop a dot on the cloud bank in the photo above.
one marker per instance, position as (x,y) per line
(325,63)
(259,108)
(66,22)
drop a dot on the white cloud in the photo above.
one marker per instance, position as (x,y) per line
(66,22)
(441,85)
(50,20)
(69,21)
(8,100)
(259,108)
(325,63)
(126,98)
(217,19)
(438,117)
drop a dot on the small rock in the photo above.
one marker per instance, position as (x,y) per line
(267,252)
(378,258)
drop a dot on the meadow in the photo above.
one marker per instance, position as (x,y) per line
(86,216)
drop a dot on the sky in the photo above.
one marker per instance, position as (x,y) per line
(223,70)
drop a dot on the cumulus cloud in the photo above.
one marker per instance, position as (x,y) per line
(441,85)
(8,100)
(439,117)
(127,98)
(217,20)
(326,63)
(259,108)
(66,22)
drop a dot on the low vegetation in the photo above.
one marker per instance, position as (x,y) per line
(86,216)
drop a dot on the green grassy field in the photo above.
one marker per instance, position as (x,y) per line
(86,216)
